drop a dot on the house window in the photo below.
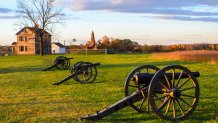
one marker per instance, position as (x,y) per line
(21,48)
(26,48)
(20,38)
(26,38)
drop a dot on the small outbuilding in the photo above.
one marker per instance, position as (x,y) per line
(58,48)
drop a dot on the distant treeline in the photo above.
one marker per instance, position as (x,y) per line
(178,47)
(5,50)
(126,45)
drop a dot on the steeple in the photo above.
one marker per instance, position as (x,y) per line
(92,41)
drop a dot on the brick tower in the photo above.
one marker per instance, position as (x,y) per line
(92,41)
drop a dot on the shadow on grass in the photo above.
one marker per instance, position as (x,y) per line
(72,82)
(35,68)
(197,116)
(54,102)
(205,111)
(54,119)
(201,114)
(118,117)
(23,69)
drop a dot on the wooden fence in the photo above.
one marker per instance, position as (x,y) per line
(87,51)
(5,53)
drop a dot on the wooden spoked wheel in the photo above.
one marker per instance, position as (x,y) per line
(74,69)
(84,72)
(171,97)
(62,63)
(131,87)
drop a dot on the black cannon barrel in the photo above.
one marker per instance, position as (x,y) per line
(69,58)
(145,78)
(127,101)
(87,64)
(95,64)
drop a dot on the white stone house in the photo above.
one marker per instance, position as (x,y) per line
(58,48)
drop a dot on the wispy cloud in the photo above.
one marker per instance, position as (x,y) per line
(9,17)
(134,4)
(187,18)
(5,10)
(7,13)
(170,9)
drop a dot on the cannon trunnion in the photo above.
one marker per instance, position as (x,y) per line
(172,93)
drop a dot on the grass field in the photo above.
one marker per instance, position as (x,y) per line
(196,55)
(26,93)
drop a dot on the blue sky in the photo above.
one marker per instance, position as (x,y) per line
(144,21)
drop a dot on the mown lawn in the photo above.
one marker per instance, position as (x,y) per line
(26,93)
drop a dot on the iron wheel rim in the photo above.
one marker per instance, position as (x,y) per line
(148,69)
(177,104)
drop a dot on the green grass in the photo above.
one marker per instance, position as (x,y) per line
(26,93)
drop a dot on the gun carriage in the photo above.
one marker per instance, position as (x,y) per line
(172,93)
(83,72)
(61,63)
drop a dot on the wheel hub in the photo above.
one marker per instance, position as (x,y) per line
(175,93)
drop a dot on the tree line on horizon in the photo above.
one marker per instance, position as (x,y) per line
(127,45)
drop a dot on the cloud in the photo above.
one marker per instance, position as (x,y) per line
(9,17)
(187,18)
(5,10)
(172,9)
(134,5)
(5,13)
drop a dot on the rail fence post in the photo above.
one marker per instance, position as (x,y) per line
(105,51)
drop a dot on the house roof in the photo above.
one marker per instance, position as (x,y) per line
(59,44)
(30,28)
(14,43)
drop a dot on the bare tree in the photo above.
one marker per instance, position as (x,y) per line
(105,41)
(42,14)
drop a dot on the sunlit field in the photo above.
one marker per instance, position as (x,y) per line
(27,93)
(201,55)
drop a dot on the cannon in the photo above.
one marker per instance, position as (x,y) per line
(61,63)
(172,93)
(83,72)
